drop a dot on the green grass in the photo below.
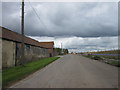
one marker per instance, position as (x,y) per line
(115,63)
(0,79)
(100,57)
(19,72)
(111,57)
(108,52)
(95,57)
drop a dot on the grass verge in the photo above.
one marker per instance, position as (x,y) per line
(94,57)
(18,72)
(99,58)
(115,63)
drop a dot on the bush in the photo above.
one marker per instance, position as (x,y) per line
(96,58)
(115,63)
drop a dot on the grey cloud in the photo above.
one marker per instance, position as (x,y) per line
(79,44)
(0,14)
(63,19)
(11,16)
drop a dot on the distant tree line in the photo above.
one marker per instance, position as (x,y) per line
(61,51)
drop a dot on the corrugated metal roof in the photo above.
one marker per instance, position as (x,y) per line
(10,35)
(47,44)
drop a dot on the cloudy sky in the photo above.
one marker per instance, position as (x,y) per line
(83,26)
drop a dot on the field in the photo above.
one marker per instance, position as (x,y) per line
(108,52)
(110,57)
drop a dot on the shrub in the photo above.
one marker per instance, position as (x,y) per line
(96,58)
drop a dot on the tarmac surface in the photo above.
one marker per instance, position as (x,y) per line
(72,71)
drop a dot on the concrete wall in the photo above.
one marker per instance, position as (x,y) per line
(50,52)
(11,53)
(31,53)
(8,53)
(0,53)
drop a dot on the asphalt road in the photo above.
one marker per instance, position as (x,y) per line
(72,71)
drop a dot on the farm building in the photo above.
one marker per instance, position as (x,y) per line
(49,46)
(11,48)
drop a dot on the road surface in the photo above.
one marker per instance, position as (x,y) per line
(72,71)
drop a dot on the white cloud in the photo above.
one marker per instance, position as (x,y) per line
(79,44)
(62,0)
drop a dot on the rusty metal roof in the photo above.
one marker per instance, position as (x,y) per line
(47,44)
(10,35)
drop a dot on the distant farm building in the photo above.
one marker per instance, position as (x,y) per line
(49,46)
